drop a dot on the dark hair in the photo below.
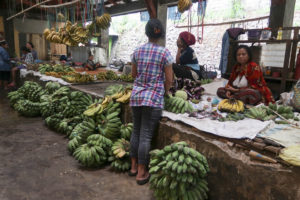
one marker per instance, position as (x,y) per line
(31,44)
(154,29)
(25,49)
(247,48)
(3,42)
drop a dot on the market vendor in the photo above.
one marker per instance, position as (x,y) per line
(186,65)
(246,82)
(90,65)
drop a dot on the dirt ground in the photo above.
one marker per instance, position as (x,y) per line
(36,165)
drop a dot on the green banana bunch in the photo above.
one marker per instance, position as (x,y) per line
(119,155)
(53,121)
(178,172)
(77,104)
(74,143)
(177,105)
(259,113)
(43,68)
(14,97)
(51,87)
(126,78)
(90,155)
(110,125)
(284,111)
(111,75)
(126,130)
(28,108)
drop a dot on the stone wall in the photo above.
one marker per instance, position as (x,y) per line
(208,52)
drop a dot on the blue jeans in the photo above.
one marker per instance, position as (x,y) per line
(145,120)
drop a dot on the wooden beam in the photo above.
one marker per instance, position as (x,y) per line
(27,9)
(60,5)
(121,9)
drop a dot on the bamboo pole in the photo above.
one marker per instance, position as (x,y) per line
(59,5)
(23,11)
(224,23)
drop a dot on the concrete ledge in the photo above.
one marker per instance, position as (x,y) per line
(233,175)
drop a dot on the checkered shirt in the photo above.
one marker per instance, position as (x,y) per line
(148,88)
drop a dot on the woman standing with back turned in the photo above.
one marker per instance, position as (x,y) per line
(152,70)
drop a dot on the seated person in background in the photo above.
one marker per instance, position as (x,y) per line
(90,65)
(26,58)
(70,59)
(63,59)
(30,46)
(246,82)
(186,60)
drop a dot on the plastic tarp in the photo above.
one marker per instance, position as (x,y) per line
(24,72)
(247,128)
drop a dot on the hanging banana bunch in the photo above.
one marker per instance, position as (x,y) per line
(104,21)
(184,5)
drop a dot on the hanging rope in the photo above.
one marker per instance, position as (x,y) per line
(202,9)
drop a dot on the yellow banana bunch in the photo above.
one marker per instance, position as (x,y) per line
(184,5)
(103,21)
(106,101)
(93,109)
(231,105)
(125,98)
(117,95)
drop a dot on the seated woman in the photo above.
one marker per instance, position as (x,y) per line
(186,61)
(246,82)
(90,65)
(26,58)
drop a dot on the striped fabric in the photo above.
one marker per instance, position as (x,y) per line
(148,88)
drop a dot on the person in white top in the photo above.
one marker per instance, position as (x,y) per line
(246,82)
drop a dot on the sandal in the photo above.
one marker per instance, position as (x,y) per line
(144,181)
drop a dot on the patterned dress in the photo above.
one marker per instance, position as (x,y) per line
(148,88)
(256,82)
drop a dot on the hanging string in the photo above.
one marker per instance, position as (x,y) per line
(200,3)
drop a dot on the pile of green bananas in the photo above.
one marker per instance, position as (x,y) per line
(28,108)
(101,76)
(126,130)
(177,105)
(95,152)
(178,172)
(259,113)
(232,117)
(126,78)
(284,111)
(43,68)
(26,100)
(113,89)
(77,104)
(111,75)
(119,155)
(67,125)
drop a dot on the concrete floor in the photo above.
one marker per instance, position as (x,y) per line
(36,165)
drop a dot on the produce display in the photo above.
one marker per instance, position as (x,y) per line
(178,172)
(111,75)
(231,105)
(193,89)
(101,76)
(55,70)
(113,89)
(184,5)
(119,155)
(78,78)
(177,105)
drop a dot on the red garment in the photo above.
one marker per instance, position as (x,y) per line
(188,38)
(255,80)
